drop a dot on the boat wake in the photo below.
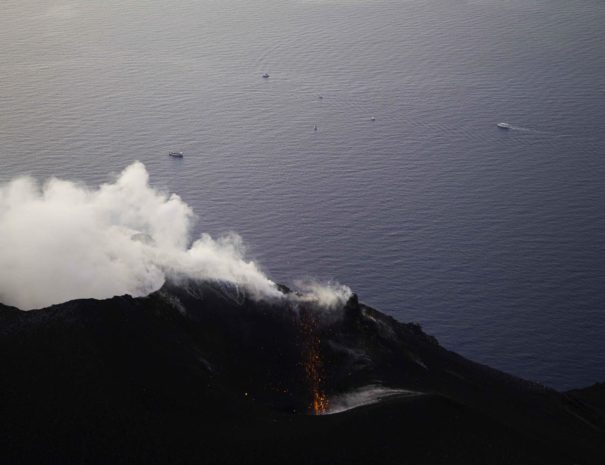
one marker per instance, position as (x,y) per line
(510,127)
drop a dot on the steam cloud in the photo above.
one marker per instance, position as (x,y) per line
(63,241)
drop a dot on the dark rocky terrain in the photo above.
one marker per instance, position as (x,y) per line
(200,373)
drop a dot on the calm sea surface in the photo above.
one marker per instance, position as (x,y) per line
(494,240)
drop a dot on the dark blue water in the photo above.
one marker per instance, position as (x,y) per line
(492,239)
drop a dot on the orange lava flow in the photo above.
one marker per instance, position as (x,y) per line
(313,365)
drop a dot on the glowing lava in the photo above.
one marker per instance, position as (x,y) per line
(313,364)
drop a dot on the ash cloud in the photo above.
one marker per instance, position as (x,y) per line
(62,241)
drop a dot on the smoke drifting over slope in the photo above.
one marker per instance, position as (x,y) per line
(63,241)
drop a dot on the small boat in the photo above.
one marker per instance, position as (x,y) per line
(373,118)
(266,75)
(176,154)
(503,125)
(315,127)
(321,97)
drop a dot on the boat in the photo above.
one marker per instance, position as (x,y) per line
(315,127)
(266,75)
(176,154)
(373,118)
(503,125)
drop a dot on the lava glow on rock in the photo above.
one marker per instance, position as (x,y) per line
(313,363)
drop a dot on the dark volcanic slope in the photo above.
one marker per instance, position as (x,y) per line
(593,396)
(198,373)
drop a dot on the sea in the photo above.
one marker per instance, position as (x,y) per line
(492,239)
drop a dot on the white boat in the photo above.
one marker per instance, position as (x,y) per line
(176,154)
(266,75)
(373,118)
(503,125)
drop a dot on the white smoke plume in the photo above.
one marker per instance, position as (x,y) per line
(63,241)
(330,296)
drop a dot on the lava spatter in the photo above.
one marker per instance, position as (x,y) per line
(313,364)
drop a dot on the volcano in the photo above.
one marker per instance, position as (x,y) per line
(199,372)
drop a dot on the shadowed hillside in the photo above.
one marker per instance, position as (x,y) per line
(200,373)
